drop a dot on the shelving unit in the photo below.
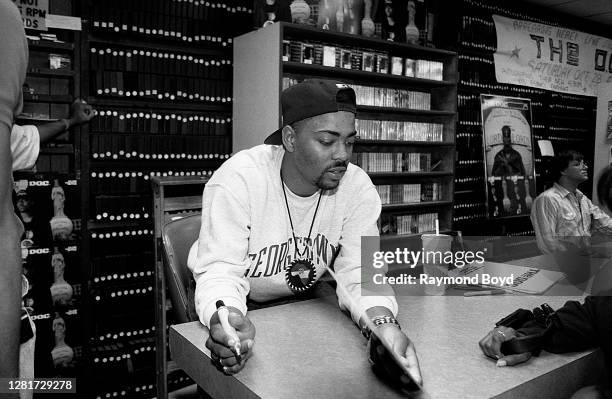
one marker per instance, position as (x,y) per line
(260,74)
(142,74)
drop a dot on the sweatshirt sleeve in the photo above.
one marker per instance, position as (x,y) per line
(361,219)
(25,146)
(583,326)
(219,259)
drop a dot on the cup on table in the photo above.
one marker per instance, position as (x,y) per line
(434,266)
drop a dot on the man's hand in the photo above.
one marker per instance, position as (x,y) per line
(80,113)
(221,344)
(404,351)
(491,346)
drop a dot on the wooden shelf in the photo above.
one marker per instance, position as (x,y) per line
(180,180)
(159,104)
(47,72)
(23,118)
(95,225)
(46,98)
(391,238)
(405,143)
(424,204)
(49,45)
(192,48)
(66,149)
(375,175)
(370,109)
(361,76)
(138,163)
(299,31)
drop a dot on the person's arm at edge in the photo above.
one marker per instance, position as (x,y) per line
(602,222)
(13,48)
(80,113)
(10,265)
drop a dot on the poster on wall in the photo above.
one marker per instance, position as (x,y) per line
(551,57)
(508,156)
(34,13)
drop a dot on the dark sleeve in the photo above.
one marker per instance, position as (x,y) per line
(583,326)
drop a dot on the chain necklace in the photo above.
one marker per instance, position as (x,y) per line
(301,274)
(291,221)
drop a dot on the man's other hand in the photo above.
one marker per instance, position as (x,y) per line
(221,345)
(491,346)
(80,113)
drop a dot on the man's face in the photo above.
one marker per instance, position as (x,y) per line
(577,171)
(323,148)
(23,204)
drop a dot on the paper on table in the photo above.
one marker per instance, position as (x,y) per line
(527,280)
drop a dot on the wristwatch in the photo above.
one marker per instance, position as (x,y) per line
(379,321)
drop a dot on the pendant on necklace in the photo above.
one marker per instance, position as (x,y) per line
(300,275)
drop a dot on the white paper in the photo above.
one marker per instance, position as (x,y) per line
(546,148)
(63,22)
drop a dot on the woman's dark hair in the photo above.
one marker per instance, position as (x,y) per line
(562,160)
(604,187)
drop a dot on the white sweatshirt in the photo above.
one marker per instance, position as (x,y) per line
(25,146)
(245,241)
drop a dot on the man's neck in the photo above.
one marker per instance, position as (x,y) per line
(569,185)
(294,180)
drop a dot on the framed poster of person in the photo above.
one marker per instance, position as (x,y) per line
(508,156)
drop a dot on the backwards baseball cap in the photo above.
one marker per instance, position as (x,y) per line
(310,98)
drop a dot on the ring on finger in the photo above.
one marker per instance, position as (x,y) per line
(502,333)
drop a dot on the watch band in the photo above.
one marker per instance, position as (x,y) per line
(379,321)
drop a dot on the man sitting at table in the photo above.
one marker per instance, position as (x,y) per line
(579,326)
(562,216)
(274,215)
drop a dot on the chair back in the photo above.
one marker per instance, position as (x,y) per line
(178,236)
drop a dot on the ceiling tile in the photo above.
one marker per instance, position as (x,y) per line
(547,3)
(602,18)
(584,8)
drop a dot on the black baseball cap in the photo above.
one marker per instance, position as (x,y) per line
(310,98)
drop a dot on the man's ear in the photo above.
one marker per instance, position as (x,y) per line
(288,136)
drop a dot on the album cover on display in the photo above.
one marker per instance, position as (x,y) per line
(54,279)
(49,207)
(58,347)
